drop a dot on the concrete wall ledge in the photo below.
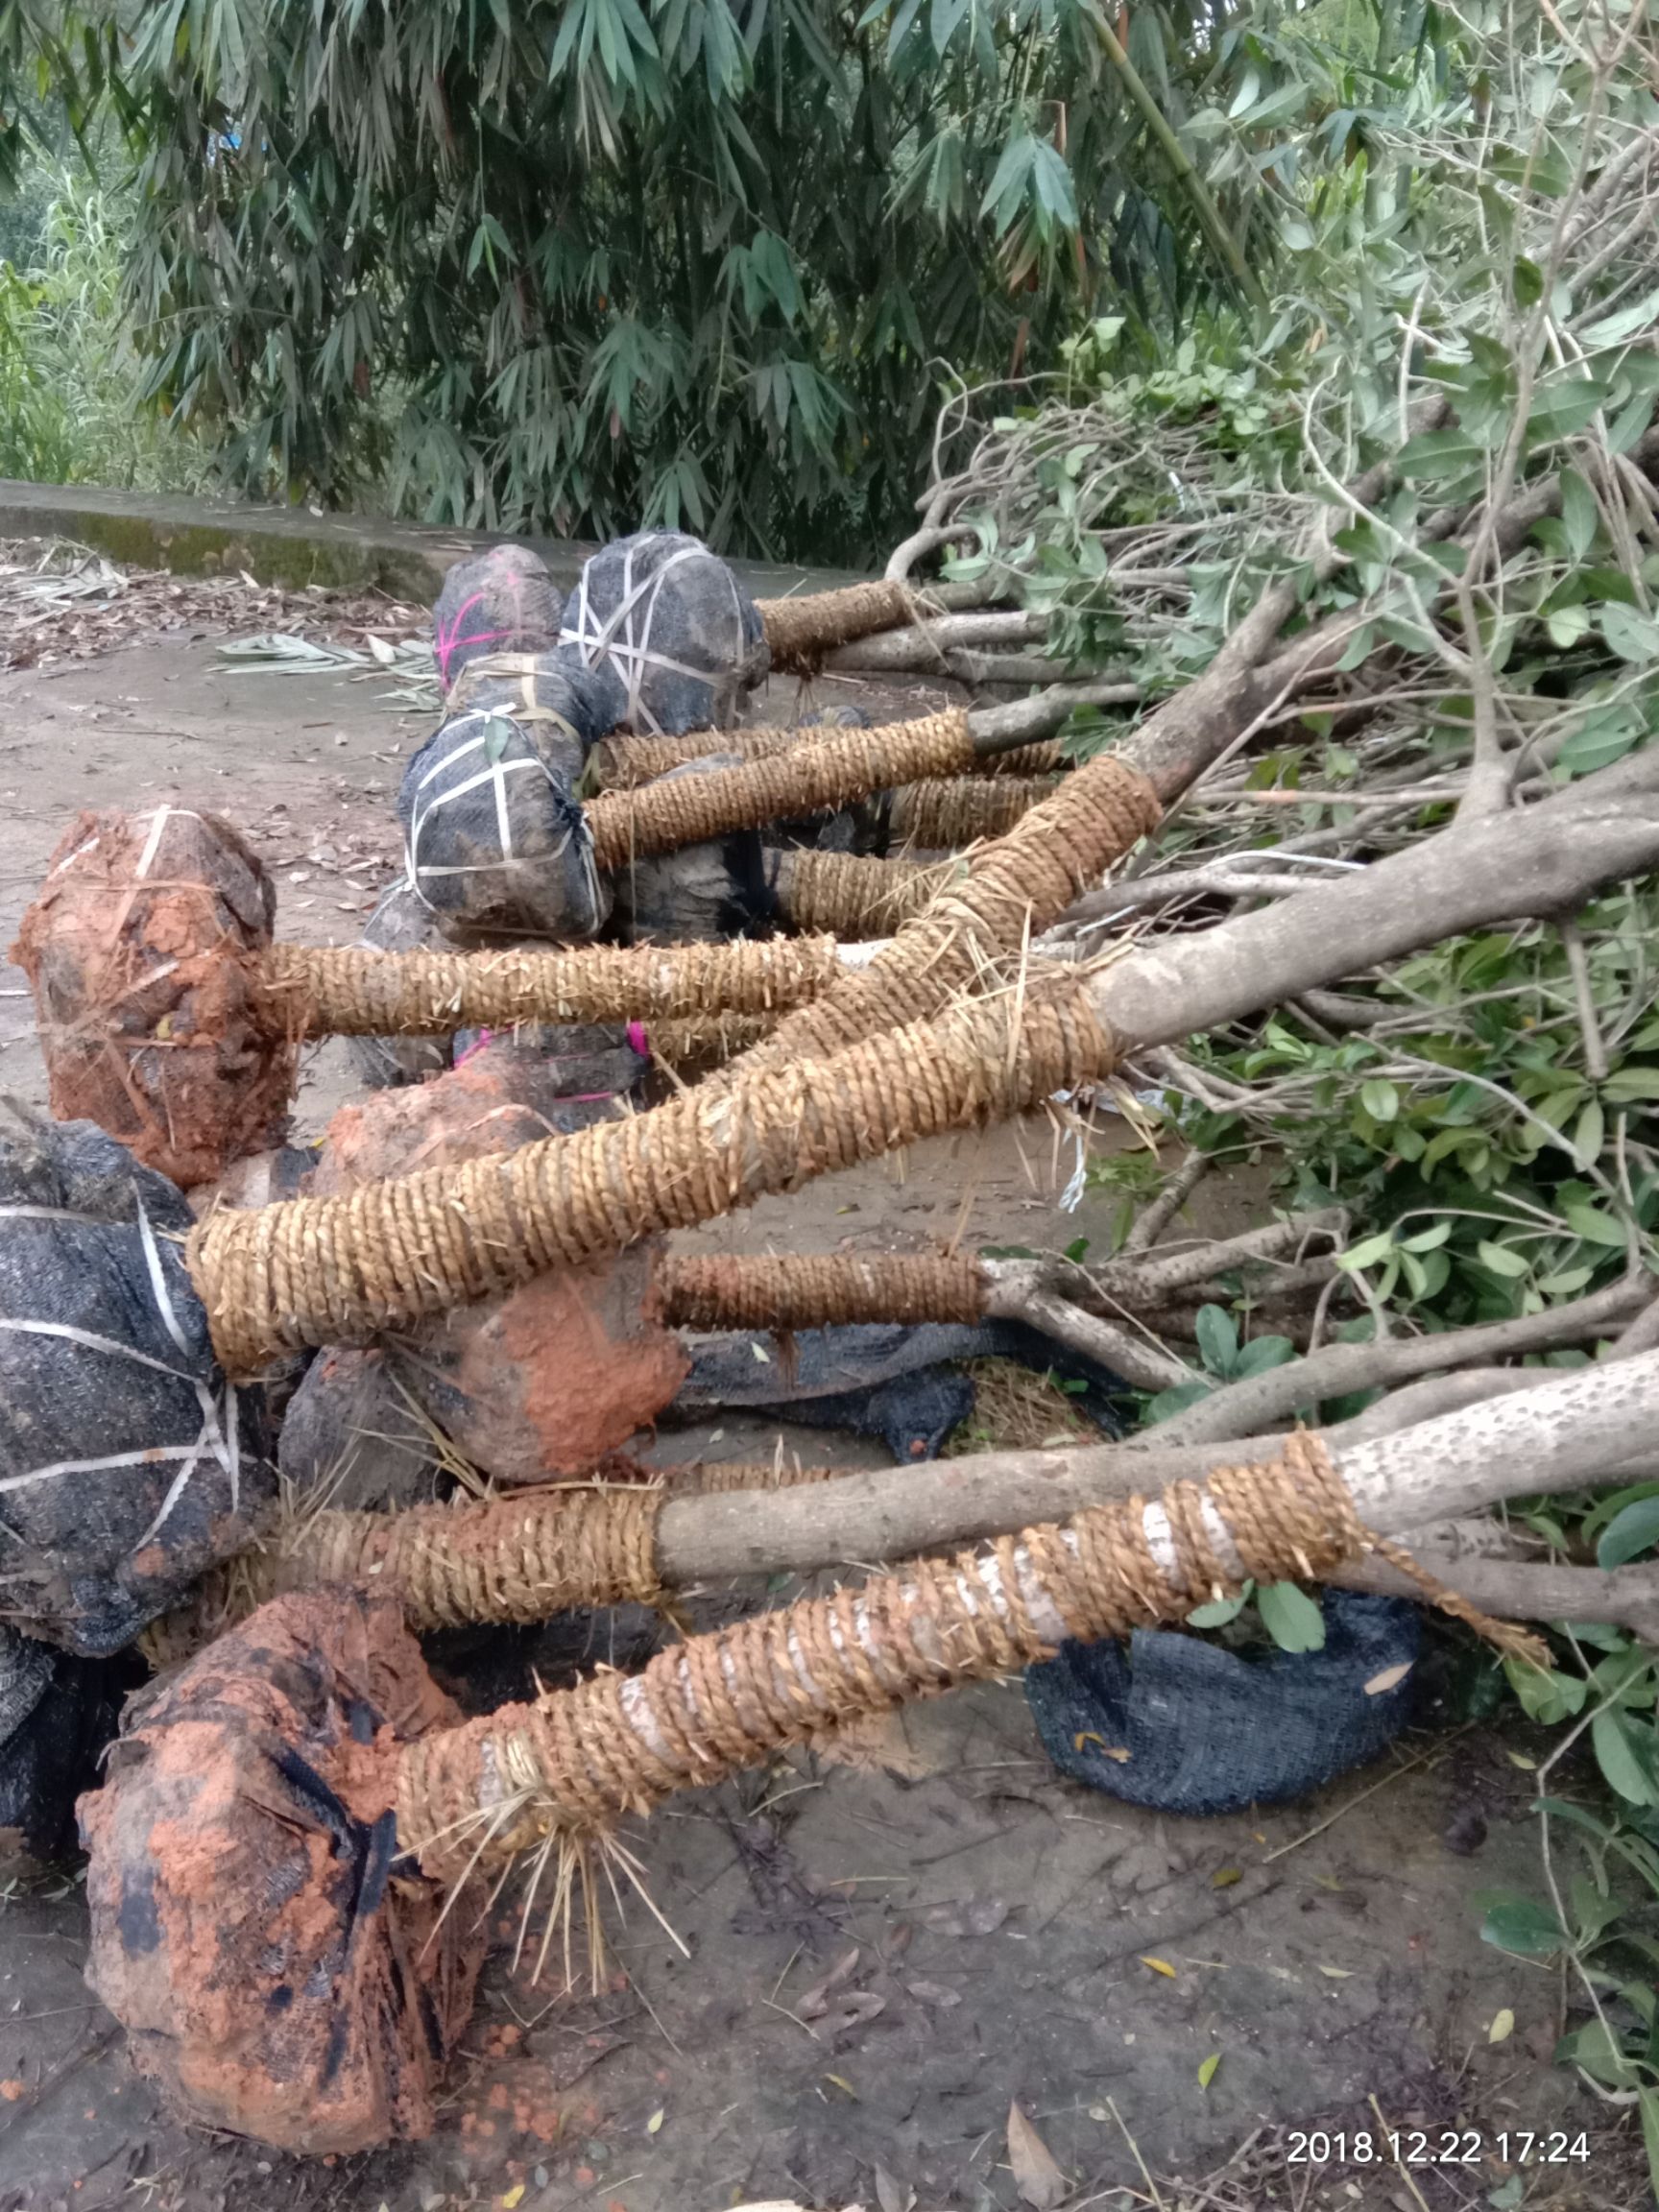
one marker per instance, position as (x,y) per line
(294,547)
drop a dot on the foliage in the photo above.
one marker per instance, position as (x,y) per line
(70,410)
(584,263)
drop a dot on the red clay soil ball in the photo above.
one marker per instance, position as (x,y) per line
(278,1967)
(550,1378)
(139,951)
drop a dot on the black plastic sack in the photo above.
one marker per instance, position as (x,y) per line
(498,601)
(128,1463)
(671,635)
(494,841)
(700,894)
(549,694)
(57,1714)
(1208,1731)
(401,922)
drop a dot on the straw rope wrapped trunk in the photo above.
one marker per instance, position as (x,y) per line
(201,1813)
(329,1271)
(624,763)
(800,631)
(357,991)
(961,809)
(778,786)
(723,1700)
(854,897)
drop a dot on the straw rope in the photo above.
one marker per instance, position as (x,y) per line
(701,1037)
(509,1559)
(358,991)
(1015,886)
(960,809)
(853,897)
(624,763)
(578,1758)
(844,764)
(758,1290)
(336,1270)
(800,631)
(521,1557)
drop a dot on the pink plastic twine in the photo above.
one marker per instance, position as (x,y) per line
(448,640)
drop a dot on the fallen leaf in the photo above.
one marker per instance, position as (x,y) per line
(813,2003)
(841,2082)
(1159,1966)
(654,2124)
(934,1993)
(1390,1679)
(1520,1760)
(511,2197)
(1225,1877)
(889,2194)
(1337,1973)
(1207,2072)
(1037,2178)
(1502,2027)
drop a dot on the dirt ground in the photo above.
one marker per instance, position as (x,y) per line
(990,1932)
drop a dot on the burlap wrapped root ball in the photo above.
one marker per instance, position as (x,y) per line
(273,1967)
(699,894)
(128,1463)
(498,601)
(495,843)
(671,636)
(550,1378)
(146,1026)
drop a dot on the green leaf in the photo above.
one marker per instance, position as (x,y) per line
(1207,2069)
(1291,1617)
(1217,1334)
(1633,637)
(1520,1925)
(1502,1259)
(1624,1751)
(1544,1695)
(1260,1353)
(1631,1531)
(1626,1085)
(1588,1136)
(1562,409)
(1648,2103)
(1367,1252)
(1379,1098)
(1580,516)
(1176,1400)
(1426,1240)
(1592,1225)
(1434,454)
(1566,625)
(1223,1610)
(1624,322)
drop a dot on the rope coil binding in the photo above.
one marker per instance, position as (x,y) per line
(743,1290)
(577,1758)
(360,991)
(801,632)
(1012,888)
(843,765)
(961,809)
(854,897)
(337,1270)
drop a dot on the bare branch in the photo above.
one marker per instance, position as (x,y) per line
(1244,1409)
